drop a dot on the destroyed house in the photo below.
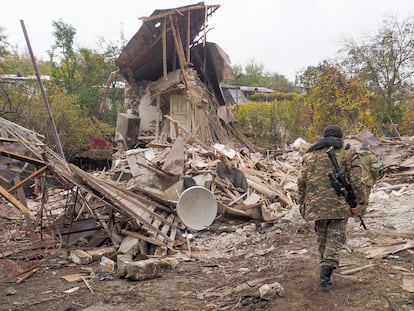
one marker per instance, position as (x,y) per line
(172,94)
(173,78)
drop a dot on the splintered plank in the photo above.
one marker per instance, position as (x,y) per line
(154,221)
(165,228)
(142,237)
(385,251)
(17,204)
(134,210)
(355,270)
(125,202)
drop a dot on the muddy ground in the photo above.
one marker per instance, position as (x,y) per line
(234,258)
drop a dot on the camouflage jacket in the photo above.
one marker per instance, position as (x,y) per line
(370,165)
(317,198)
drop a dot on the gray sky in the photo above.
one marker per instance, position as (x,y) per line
(285,36)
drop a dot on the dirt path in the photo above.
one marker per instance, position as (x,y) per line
(233,260)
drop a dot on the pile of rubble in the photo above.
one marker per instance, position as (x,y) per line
(129,212)
(135,202)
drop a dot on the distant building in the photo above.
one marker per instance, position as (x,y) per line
(233,95)
(240,94)
(18,77)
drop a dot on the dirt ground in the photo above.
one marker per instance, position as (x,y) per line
(234,258)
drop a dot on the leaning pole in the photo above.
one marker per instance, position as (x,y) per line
(42,90)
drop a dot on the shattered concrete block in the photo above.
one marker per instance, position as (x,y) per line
(160,251)
(80,257)
(168,263)
(97,253)
(122,262)
(270,291)
(143,270)
(106,265)
(129,245)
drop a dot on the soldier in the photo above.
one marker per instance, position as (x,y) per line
(320,203)
(371,166)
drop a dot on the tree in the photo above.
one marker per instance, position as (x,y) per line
(280,83)
(21,102)
(93,70)
(407,122)
(62,56)
(4,44)
(74,127)
(15,94)
(289,117)
(251,75)
(84,72)
(386,63)
(335,99)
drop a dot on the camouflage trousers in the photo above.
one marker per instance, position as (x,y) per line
(331,237)
(366,199)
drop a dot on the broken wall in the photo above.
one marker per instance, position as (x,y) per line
(186,100)
(147,113)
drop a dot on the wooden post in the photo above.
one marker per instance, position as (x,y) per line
(17,204)
(42,91)
(21,182)
(205,23)
(179,47)
(188,35)
(164,48)
(157,120)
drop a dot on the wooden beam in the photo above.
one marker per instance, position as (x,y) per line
(20,157)
(188,35)
(355,270)
(139,236)
(8,140)
(180,12)
(17,204)
(4,180)
(157,118)
(164,48)
(122,201)
(34,174)
(204,30)
(180,51)
(177,124)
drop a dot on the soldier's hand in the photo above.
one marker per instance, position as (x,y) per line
(356,210)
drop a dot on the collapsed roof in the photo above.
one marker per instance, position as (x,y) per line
(165,43)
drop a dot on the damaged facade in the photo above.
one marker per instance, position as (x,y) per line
(170,69)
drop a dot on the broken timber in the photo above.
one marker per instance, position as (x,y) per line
(127,203)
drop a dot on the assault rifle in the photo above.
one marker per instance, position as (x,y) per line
(341,184)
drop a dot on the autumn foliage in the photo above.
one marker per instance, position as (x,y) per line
(331,98)
(335,99)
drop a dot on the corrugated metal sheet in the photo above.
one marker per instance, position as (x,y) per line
(142,58)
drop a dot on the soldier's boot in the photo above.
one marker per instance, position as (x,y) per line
(326,278)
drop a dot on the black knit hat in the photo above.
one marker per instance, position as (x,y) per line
(332,131)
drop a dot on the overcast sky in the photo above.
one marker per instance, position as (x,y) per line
(285,36)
